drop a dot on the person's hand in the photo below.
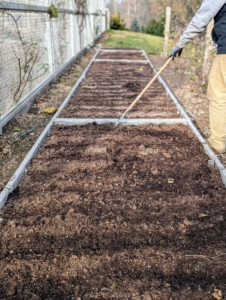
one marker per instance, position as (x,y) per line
(176,52)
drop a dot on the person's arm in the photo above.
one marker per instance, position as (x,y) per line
(207,11)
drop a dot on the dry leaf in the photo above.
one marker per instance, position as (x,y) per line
(166,155)
(88,87)
(217,294)
(141,69)
(187,223)
(154,171)
(39,100)
(202,215)
(50,110)
(113,286)
(170,180)
(145,226)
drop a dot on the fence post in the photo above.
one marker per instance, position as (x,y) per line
(167,31)
(85,32)
(100,12)
(0,127)
(107,13)
(72,31)
(91,22)
(52,50)
(89,31)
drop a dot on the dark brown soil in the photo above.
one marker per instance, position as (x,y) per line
(122,55)
(123,213)
(110,88)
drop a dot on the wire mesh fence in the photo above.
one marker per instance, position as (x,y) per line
(59,3)
(33,46)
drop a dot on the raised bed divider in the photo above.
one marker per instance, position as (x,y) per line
(118,51)
(123,61)
(73,122)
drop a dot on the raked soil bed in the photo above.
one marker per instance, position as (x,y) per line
(109,88)
(123,213)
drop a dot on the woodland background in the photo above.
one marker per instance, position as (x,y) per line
(144,10)
(201,51)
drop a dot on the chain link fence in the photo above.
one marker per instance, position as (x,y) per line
(34,46)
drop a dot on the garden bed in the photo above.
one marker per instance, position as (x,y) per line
(132,212)
(109,88)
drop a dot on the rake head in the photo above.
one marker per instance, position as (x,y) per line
(119,120)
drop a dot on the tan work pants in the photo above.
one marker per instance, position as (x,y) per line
(216,94)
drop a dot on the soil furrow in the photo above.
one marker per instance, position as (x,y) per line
(110,87)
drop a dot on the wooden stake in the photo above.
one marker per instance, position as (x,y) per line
(167,31)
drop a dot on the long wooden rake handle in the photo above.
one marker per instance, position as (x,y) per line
(144,90)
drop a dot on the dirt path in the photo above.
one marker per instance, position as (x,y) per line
(129,213)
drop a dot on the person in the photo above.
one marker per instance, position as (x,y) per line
(216,91)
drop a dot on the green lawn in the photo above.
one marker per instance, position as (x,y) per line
(127,39)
